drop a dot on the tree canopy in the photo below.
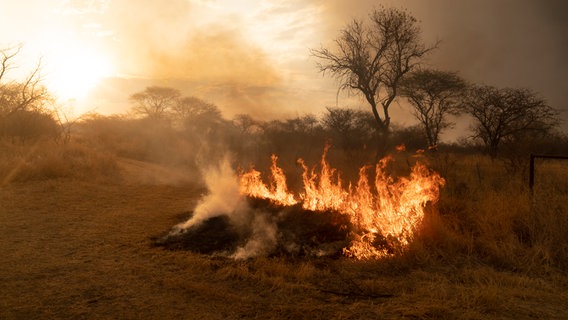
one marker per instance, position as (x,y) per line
(434,95)
(155,102)
(502,114)
(372,57)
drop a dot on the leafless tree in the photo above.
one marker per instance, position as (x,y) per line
(193,108)
(372,58)
(246,124)
(349,128)
(28,94)
(434,95)
(24,105)
(197,116)
(155,102)
(503,114)
(6,62)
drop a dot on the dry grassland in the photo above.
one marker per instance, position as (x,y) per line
(77,248)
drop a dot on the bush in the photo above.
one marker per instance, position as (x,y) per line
(46,160)
(485,215)
(24,125)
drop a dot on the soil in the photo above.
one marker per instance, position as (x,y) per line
(80,250)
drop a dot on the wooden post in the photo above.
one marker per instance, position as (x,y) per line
(531,172)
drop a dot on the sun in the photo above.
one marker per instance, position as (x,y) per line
(73,72)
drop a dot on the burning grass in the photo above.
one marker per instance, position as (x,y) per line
(364,220)
(80,249)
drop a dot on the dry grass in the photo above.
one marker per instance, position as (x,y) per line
(45,160)
(76,243)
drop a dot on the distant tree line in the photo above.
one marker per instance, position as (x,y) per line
(380,59)
(514,118)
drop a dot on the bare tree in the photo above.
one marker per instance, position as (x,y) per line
(194,109)
(434,95)
(28,94)
(24,105)
(372,59)
(502,114)
(198,116)
(350,128)
(246,124)
(6,62)
(155,102)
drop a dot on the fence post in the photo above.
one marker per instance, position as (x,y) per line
(531,173)
(531,167)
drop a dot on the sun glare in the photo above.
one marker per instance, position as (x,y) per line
(73,73)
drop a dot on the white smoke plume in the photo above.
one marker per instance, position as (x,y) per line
(224,198)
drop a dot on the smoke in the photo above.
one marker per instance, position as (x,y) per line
(263,238)
(204,51)
(224,199)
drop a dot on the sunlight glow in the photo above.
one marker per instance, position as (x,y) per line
(74,72)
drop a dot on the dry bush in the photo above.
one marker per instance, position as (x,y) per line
(488,216)
(44,160)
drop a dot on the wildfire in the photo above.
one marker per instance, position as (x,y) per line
(384,209)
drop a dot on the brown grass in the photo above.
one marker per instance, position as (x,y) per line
(76,227)
(45,160)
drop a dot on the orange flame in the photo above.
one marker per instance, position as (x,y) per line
(387,207)
(251,184)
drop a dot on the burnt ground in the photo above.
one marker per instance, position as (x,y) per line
(300,232)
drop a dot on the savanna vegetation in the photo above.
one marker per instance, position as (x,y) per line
(81,200)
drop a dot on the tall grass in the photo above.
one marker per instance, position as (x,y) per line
(44,160)
(485,215)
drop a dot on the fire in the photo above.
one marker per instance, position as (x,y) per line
(382,210)
(252,185)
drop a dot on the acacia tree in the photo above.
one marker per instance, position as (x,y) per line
(195,109)
(434,95)
(502,114)
(372,58)
(199,117)
(351,128)
(246,124)
(155,102)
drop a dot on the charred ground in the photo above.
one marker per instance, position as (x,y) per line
(300,232)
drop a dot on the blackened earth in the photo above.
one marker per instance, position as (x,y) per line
(300,232)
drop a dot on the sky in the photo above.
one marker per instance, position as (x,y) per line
(252,56)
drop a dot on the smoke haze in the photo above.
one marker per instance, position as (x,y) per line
(253,56)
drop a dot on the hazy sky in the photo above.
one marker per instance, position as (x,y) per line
(252,56)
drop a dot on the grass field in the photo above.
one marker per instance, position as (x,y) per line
(78,245)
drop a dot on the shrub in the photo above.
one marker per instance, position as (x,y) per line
(46,160)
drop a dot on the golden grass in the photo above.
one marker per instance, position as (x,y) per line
(76,243)
(45,160)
